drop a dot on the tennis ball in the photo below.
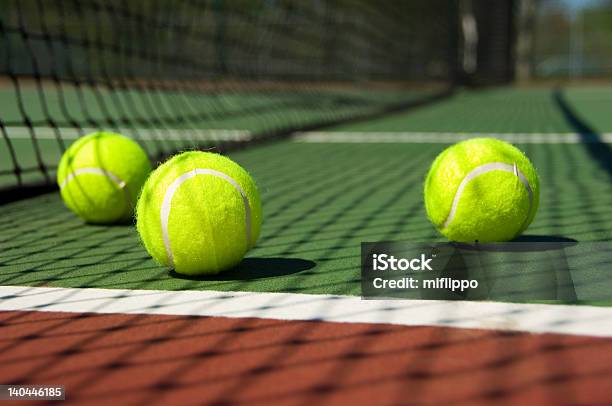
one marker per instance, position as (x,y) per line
(482,189)
(199,213)
(100,176)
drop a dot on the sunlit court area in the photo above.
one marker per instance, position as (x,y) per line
(339,202)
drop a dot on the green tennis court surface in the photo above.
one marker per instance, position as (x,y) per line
(322,200)
(504,110)
(165,121)
(243,117)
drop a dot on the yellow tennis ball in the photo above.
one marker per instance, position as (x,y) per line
(100,176)
(482,189)
(199,213)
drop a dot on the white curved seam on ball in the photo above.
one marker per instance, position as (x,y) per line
(480,170)
(167,205)
(103,172)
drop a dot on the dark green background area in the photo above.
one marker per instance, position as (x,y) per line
(320,202)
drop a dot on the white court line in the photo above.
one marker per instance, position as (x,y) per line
(445,137)
(533,318)
(70,133)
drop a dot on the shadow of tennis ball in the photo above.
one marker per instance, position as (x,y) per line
(256,268)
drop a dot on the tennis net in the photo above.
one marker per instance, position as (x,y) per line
(178,74)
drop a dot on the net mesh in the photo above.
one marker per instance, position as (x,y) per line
(185,74)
